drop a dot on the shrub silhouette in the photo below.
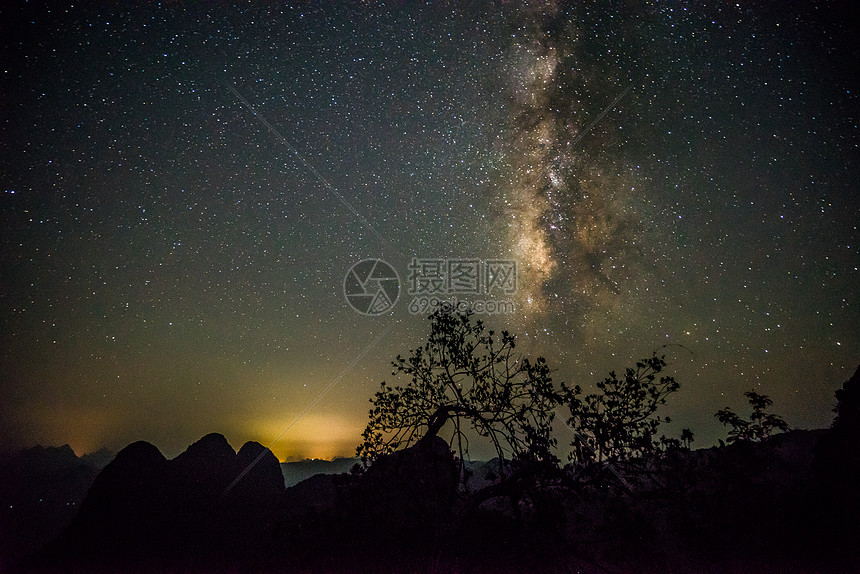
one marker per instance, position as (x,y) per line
(760,425)
(617,427)
(687,438)
(848,404)
(832,496)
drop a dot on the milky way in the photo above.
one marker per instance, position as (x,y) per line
(572,221)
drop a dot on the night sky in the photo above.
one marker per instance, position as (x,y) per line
(185,186)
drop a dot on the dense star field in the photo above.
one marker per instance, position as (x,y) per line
(185,187)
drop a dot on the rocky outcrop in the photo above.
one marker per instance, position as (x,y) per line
(209,506)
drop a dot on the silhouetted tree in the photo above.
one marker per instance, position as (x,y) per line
(465,377)
(687,438)
(617,426)
(848,403)
(760,425)
(833,495)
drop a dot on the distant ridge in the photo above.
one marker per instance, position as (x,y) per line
(41,489)
(298,471)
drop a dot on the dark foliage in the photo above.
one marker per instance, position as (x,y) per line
(831,498)
(465,377)
(848,404)
(760,425)
(616,429)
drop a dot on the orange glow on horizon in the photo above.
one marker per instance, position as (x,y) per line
(85,429)
(323,436)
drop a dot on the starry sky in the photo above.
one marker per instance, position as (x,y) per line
(186,185)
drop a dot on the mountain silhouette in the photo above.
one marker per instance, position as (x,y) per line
(146,512)
(779,505)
